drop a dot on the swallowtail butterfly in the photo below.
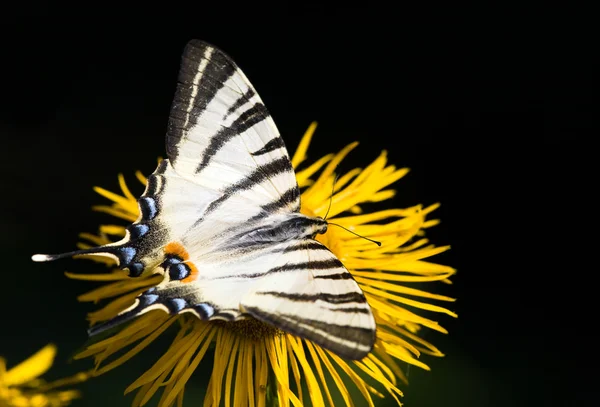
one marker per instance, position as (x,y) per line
(220,220)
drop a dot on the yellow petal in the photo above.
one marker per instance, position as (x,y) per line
(116,198)
(31,368)
(297,352)
(302,176)
(300,154)
(125,189)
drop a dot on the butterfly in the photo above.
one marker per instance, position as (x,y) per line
(220,220)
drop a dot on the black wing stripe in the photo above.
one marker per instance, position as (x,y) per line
(257,176)
(306,246)
(288,197)
(241,101)
(337,276)
(272,145)
(345,298)
(353,310)
(246,120)
(321,333)
(190,98)
(329,264)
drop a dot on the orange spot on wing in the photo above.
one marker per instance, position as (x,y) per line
(193,273)
(177,249)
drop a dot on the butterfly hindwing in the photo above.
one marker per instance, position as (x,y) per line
(298,286)
(313,295)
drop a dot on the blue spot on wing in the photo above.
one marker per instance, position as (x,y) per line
(178,271)
(139,230)
(148,208)
(175,304)
(204,310)
(148,299)
(127,254)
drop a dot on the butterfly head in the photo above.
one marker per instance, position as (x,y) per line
(319,226)
(305,226)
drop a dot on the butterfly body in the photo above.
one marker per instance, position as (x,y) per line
(220,221)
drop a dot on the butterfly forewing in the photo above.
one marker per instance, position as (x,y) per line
(220,134)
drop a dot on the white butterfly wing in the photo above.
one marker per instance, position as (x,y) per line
(221,136)
(298,286)
(312,295)
(220,220)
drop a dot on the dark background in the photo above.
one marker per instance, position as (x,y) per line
(490,108)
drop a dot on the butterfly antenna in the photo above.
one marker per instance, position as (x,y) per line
(331,197)
(356,234)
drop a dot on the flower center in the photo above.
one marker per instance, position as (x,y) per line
(250,328)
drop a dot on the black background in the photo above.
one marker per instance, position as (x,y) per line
(490,108)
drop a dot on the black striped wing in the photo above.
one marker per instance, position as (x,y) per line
(220,134)
(312,295)
(298,286)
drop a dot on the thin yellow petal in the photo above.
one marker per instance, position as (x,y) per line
(115,230)
(373,282)
(230,368)
(261,373)
(119,288)
(400,312)
(247,369)
(146,392)
(312,383)
(296,372)
(222,351)
(240,395)
(336,377)
(31,368)
(426,346)
(141,177)
(180,345)
(367,366)
(379,356)
(303,176)
(125,189)
(147,341)
(281,377)
(118,199)
(380,275)
(128,216)
(97,240)
(170,394)
(319,368)
(330,168)
(354,377)
(412,303)
(116,276)
(300,154)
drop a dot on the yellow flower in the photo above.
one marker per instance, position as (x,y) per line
(21,387)
(254,362)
